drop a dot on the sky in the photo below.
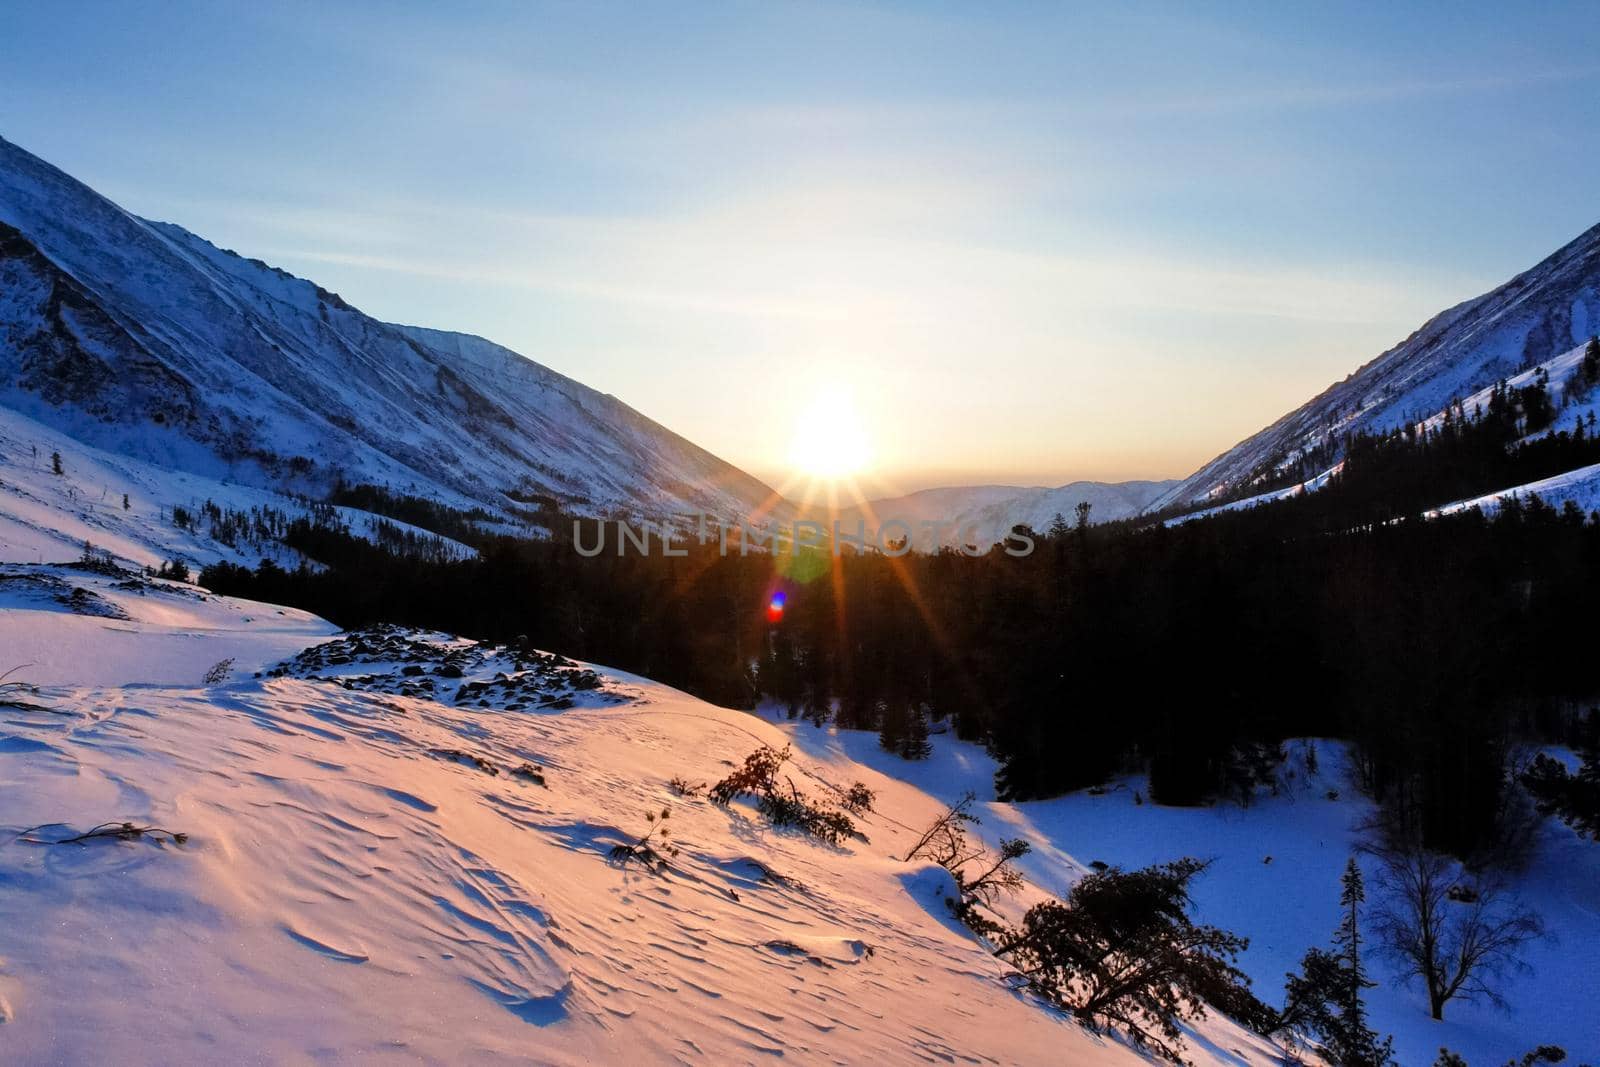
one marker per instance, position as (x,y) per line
(1026,244)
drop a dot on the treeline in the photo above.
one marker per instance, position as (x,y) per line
(465,526)
(1518,435)
(1466,454)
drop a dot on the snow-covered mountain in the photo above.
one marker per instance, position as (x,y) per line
(989,511)
(1531,319)
(146,340)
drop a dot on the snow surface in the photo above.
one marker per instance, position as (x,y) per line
(168,633)
(45,517)
(1275,878)
(358,887)
(1581,487)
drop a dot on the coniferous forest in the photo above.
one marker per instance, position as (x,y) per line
(1436,645)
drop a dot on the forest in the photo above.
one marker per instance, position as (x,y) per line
(1438,647)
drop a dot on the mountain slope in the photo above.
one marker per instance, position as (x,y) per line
(145,339)
(1528,320)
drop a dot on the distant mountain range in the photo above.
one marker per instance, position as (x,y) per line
(986,512)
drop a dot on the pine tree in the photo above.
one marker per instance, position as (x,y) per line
(1359,1037)
(55,463)
(1591,361)
(892,725)
(1325,997)
(914,741)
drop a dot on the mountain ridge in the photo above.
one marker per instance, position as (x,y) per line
(988,512)
(148,339)
(1538,313)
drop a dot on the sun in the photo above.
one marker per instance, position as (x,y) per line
(830,437)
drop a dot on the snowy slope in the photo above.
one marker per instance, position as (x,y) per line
(1535,316)
(144,339)
(125,506)
(368,878)
(1581,487)
(992,510)
(1275,878)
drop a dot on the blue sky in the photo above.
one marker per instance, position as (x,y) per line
(1032,243)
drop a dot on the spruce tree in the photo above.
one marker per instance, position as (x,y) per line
(1353,1013)
(892,725)
(1324,999)
(55,463)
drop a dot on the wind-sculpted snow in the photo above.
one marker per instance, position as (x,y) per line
(371,876)
(145,339)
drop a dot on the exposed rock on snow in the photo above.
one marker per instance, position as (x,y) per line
(447,669)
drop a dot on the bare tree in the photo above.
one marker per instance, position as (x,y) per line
(1460,936)
(947,844)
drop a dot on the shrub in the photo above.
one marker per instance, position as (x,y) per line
(782,803)
(858,799)
(8,687)
(106,831)
(685,788)
(654,849)
(947,844)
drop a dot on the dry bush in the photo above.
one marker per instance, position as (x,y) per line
(654,849)
(782,802)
